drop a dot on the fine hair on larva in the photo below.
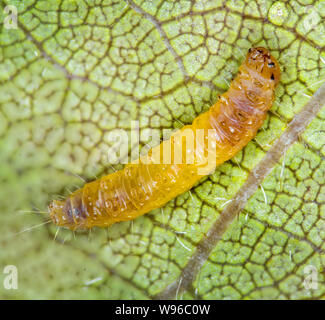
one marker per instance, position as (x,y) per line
(150,182)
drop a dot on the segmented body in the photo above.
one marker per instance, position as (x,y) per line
(142,186)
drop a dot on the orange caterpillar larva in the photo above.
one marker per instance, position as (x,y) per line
(143,186)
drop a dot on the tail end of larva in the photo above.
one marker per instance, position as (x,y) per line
(56,211)
(62,214)
(69,213)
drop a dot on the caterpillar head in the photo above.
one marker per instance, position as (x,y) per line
(260,60)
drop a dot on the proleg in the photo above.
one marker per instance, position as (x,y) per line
(146,185)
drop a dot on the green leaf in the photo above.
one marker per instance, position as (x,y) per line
(73,71)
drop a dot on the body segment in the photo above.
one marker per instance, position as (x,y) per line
(151,182)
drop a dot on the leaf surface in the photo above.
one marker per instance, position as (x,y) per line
(73,71)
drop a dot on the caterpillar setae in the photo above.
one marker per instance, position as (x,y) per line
(146,184)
